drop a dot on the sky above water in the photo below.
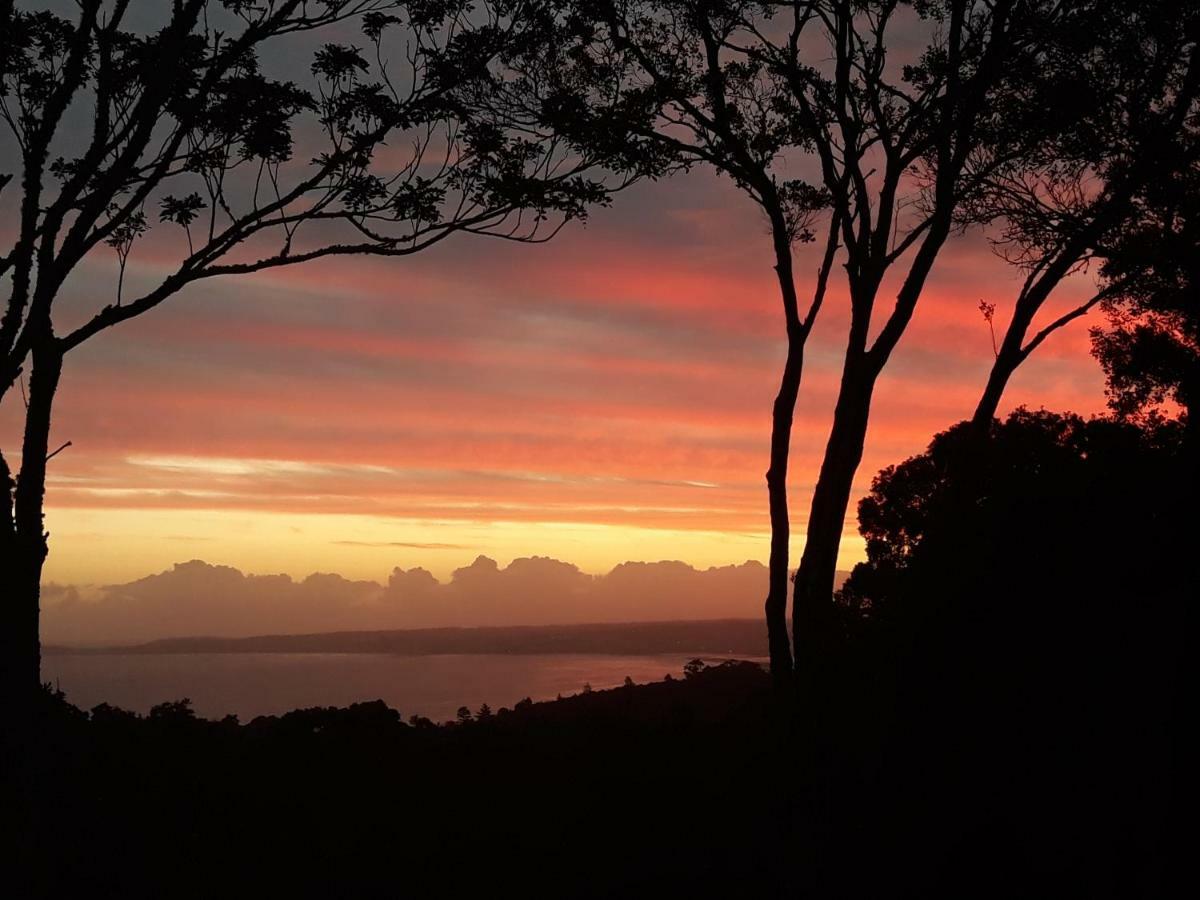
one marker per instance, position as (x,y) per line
(600,398)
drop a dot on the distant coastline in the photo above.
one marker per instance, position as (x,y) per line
(724,637)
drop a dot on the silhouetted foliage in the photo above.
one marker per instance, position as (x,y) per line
(1018,637)
(173,712)
(1034,459)
(1120,94)
(1150,350)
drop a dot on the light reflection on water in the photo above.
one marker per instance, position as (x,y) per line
(253,684)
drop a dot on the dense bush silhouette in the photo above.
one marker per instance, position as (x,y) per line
(1024,611)
(1103,474)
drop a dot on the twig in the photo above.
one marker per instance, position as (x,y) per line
(989,312)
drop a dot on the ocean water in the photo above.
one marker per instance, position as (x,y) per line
(253,684)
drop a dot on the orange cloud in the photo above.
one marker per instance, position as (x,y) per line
(619,377)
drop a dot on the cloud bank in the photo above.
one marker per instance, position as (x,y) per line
(200,599)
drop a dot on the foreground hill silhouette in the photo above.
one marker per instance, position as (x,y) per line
(665,789)
(597,792)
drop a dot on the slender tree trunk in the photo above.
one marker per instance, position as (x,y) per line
(23,540)
(781,436)
(813,601)
(782,416)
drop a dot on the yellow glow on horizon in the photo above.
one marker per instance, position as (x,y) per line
(107,546)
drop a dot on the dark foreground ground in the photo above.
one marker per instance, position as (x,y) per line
(699,786)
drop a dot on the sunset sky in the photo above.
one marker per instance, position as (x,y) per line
(600,398)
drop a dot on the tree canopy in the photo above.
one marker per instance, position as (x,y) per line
(165,130)
(415,131)
(1150,350)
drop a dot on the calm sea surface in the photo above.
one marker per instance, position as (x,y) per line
(253,684)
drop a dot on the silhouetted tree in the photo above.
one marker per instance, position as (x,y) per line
(1119,96)
(902,150)
(675,75)
(121,133)
(746,87)
(464,714)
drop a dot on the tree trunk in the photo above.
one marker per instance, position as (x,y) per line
(23,544)
(20,648)
(1013,347)
(812,604)
(1191,429)
(989,402)
(782,415)
(781,435)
